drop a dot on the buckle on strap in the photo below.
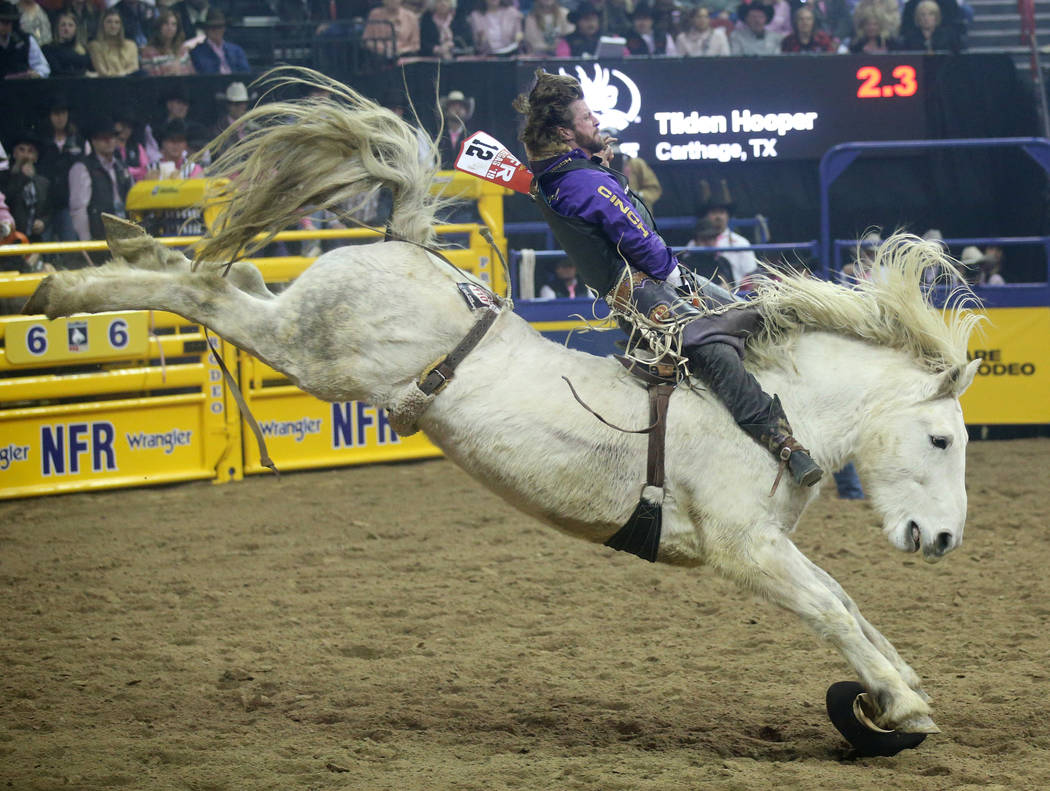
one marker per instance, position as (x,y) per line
(435,377)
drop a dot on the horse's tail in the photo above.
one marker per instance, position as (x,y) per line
(332,151)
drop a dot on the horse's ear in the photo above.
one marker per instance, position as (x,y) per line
(953,382)
(966,374)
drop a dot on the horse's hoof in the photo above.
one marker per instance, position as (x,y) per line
(847,701)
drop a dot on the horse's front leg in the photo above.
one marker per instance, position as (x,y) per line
(768,563)
(876,637)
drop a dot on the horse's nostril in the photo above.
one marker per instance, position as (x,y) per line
(944,542)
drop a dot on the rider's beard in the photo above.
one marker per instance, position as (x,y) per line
(592,144)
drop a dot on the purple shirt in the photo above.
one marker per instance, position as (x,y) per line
(596,197)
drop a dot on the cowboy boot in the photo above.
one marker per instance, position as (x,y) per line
(775,434)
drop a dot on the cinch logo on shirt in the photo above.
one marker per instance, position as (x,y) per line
(625,209)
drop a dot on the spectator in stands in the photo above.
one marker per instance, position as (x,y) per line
(173,162)
(62,146)
(640,176)
(167,52)
(714,266)
(234,105)
(176,104)
(700,38)
(7,222)
(113,55)
(137,17)
(667,16)
(27,191)
(443,31)
(98,183)
(88,16)
(497,27)
(781,21)
(717,208)
(645,38)
(982,269)
(20,54)
(65,54)
(930,33)
(457,110)
(752,38)
(583,41)
(614,19)
(215,55)
(34,21)
(951,15)
(391,19)
(546,22)
(806,36)
(563,283)
(833,16)
(193,14)
(131,145)
(614,16)
(887,11)
(872,34)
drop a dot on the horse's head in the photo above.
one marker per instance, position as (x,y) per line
(914,467)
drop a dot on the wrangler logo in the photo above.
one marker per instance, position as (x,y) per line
(625,209)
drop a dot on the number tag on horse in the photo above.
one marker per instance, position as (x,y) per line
(484,156)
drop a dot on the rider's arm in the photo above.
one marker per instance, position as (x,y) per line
(595,197)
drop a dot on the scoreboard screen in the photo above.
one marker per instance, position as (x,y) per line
(746,109)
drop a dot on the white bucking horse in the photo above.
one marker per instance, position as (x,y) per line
(871,373)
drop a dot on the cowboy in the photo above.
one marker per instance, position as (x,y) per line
(609,233)
(20,54)
(457,110)
(753,37)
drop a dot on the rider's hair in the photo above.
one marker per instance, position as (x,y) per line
(546,109)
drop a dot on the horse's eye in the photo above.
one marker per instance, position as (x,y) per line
(941,443)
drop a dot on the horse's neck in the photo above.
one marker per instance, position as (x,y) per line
(831,387)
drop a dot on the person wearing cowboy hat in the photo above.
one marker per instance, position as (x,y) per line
(234,102)
(98,183)
(752,37)
(20,54)
(26,189)
(215,55)
(982,269)
(717,207)
(457,110)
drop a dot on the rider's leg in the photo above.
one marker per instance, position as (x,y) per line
(719,367)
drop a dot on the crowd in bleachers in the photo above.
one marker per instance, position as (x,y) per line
(62,171)
(152,37)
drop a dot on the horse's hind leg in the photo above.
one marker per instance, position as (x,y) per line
(772,566)
(201,297)
(141,251)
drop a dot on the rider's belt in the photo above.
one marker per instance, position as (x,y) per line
(620,296)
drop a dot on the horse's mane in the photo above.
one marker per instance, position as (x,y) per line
(892,309)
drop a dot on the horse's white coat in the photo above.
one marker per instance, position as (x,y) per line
(364,321)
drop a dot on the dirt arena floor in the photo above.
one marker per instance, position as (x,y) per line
(397,627)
